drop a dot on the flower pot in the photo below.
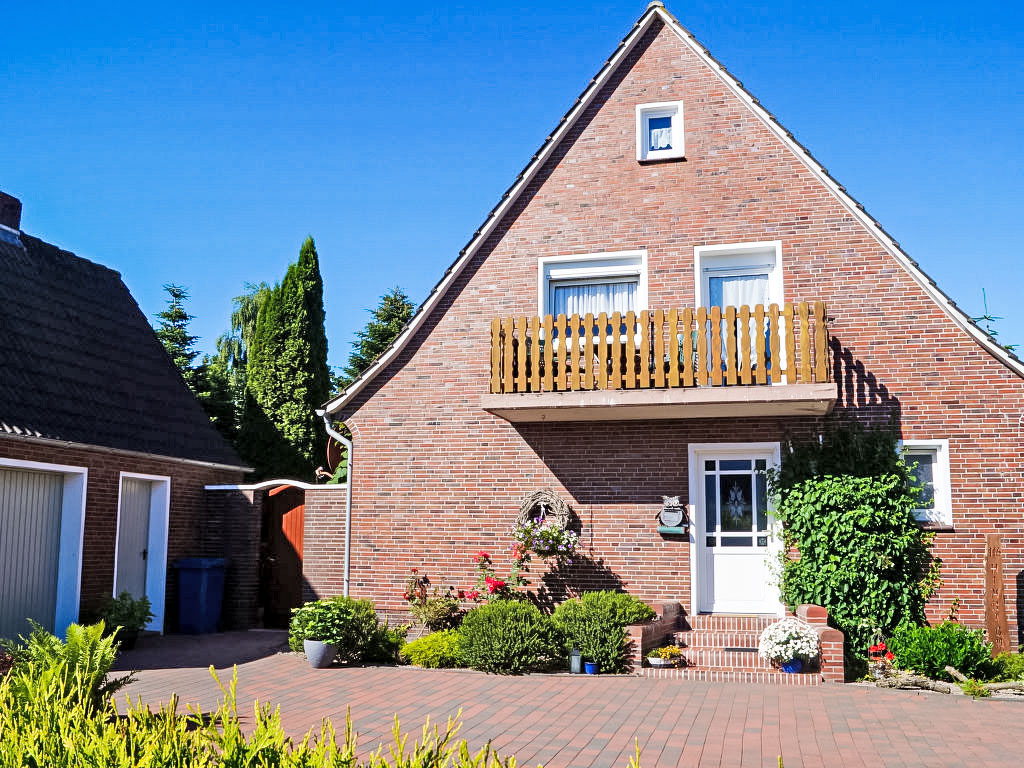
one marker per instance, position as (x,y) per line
(591,667)
(793,666)
(657,661)
(319,654)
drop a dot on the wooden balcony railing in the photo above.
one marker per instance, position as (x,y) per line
(720,346)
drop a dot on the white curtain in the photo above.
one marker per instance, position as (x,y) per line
(581,298)
(660,133)
(738,291)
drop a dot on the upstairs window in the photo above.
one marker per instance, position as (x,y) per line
(594,283)
(659,130)
(931,476)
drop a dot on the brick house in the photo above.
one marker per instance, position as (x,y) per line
(104,451)
(670,290)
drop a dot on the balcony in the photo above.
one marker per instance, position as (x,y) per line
(721,362)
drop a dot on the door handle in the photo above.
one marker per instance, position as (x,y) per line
(145,554)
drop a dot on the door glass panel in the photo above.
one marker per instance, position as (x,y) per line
(761,464)
(762,541)
(709,466)
(709,541)
(710,504)
(737,541)
(737,509)
(761,489)
(734,464)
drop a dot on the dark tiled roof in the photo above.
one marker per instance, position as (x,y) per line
(79,361)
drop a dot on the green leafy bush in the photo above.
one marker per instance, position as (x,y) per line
(595,624)
(1008,666)
(386,644)
(127,612)
(928,650)
(860,553)
(507,637)
(350,624)
(438,649)
(76,669)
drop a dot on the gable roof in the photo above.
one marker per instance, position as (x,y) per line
(81,363)
(656,12)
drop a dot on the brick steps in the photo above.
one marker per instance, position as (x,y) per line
(773,677)
(720,622)
(710,639)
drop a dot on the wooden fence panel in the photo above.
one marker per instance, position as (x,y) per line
(790,333)
(702,346)
(805,344)
(673,348)
(761,360)
(645,349)
(716,346)
(687,361)
(495,355)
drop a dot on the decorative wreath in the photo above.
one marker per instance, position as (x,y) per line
(547,505)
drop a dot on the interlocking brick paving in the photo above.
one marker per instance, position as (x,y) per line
(563,720)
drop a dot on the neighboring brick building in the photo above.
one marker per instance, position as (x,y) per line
(667,186)
(104,452)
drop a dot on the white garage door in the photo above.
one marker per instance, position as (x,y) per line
(30,517)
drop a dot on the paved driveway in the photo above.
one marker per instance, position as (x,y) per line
(562,720)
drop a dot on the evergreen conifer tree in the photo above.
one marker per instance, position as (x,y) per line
(287,377)
(173,333)
(387,321)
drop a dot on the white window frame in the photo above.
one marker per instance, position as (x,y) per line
(942,512)
(670,109)
(156,544)
(72,536)
(591,268)
(738,259)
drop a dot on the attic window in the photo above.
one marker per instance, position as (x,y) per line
(659,131)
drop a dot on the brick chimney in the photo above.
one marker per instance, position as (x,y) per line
(10,211)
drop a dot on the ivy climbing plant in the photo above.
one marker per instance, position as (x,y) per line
(851,541)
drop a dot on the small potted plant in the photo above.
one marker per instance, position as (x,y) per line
(666,656)
(788,644)
(126,616)
(881,661)
(316,626)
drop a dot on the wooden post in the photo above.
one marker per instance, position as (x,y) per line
(507,379)
(521,354)
(673,348)
(658,332)
(495,355)
(588,351)
(996,623)
(645,349)
(535,354)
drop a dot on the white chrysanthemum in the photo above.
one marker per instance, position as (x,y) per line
(788,639)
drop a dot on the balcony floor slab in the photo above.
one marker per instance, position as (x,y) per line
(726,402)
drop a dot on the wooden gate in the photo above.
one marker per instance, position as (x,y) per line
(284,515)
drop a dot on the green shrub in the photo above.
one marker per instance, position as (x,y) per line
(76,669)
(350,624)
(507,637)
(595,624)
(386,644)
(126,612)
(861,553)
(1008,666)
(929,650)
(58,730)
(438,649)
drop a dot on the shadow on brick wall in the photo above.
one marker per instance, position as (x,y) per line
(567,580)
(861,393)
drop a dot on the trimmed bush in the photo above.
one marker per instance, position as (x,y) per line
(350,624)
(507,637)
(1008,666)
(436,650)
(928,650)
(595,624)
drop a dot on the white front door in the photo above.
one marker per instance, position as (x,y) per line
(734,541)
(140,556)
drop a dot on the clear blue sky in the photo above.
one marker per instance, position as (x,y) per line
(200,143)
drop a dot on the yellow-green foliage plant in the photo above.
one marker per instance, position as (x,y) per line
(54,726)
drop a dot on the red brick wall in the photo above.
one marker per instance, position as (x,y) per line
(191,530)
(437,478)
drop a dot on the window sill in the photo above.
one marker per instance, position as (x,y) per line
(656,160)
(930,525)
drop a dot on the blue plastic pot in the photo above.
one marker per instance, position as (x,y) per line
(793,666)
(591,667)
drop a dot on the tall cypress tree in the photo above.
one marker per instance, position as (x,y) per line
(287,375)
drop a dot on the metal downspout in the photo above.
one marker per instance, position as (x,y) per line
(348,495)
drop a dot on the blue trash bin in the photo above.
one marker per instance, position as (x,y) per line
(200,594)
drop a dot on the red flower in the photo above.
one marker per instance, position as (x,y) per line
(462,594)
(889,656)
(472,594)
(494,585)
(415,571)
(881,646)
(873,649)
